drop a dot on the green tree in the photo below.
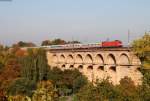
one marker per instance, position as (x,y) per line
(67,81)
(24,44)
(73,42)
(101,91)
(58,42)
(141,47)
(46,43)
(22,86)
(34,66)
(53,42)
(78,83)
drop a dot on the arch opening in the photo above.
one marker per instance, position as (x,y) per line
(100,68)
(70,59)
(80,67)
(62,59)
(111,59)
(90,68)
(71,66)
(112,74)
(79,59)
(88,59)
(63,66)
(99,59)
(55,59)
(113,68)
(124,60)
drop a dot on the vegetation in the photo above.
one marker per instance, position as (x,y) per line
(25,76)
(24,44)
(53,42)
(67,81)
(34,65)
(105,91)
(57,42)
(141,47)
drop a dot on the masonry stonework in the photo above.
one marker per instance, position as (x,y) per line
(115,63)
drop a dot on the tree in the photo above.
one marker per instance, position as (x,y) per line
(141,47)
(24,44)
(45,92)
(9,73)
(53,42)
(34,65)
(67,81)
(46,43)
(73,42)
(100,91)
(22,86)
(78,83)
(58,42)
(127,91)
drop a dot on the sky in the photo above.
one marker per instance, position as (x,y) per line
(88,21)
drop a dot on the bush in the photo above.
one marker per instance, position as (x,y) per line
(22,86)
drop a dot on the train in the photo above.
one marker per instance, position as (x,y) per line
(115,43)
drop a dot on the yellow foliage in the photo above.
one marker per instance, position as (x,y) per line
(141,47)
(45,91)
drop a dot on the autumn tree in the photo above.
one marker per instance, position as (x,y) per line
(45,92)
(141,47)
(24,44)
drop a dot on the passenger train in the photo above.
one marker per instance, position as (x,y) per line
(116,43)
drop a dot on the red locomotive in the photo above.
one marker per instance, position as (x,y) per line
(115,43)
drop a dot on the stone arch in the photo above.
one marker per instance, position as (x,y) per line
(63,66)
(100,68)
(111,59)
(70,59)
(112,68)
(124,65)
(90,68)
(62,58)
(79,59)
(55,58)
(90,73)
(99,73)
(112,74)
(80,68)
(99,59)
(71,66)
(124,59)
(88,59)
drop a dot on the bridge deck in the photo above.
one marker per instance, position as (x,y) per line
(91,49)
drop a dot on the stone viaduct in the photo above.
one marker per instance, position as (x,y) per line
(98,63)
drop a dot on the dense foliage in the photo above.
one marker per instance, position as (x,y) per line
(57,42)
(67,81)
(24,44)
(141,47)
(25,75)
(34,65)
(105,91)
